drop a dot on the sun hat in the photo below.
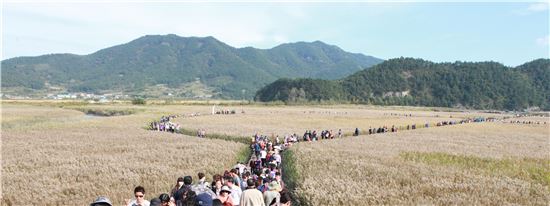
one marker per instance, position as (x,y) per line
(102,201)
(225,189)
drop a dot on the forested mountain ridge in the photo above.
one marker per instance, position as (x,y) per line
(409,81)
(175,62)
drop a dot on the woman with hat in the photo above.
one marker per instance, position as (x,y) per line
(225,197)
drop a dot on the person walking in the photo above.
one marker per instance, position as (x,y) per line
(204,194)
(272,194)
(251,196)
(185,196)
(235,190)
(179,184)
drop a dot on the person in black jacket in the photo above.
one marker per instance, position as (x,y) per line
(185,196)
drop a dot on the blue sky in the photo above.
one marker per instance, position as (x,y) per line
(511,33)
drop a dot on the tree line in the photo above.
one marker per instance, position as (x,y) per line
(417,82)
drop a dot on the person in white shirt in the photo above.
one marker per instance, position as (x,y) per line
(139,193)
(263,155)
(236,191)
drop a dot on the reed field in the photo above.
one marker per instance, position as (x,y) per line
(63,153)
(54,156)
(470,164)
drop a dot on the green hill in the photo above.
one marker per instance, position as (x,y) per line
(408,81)
(173,62)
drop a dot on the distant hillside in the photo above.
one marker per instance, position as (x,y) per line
(408,81)
(173,62)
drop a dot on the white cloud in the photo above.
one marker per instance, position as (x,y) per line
(532,8)
(543,41)
(99,25)
(536,7)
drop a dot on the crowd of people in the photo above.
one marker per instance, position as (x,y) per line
(226,111)
(308,136)
(165,125)
(257,183)
(526,122)
(325,134)
(532,122)
(397,114)
(201,133)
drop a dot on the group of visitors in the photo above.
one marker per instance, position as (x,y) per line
(382,129)
(226,111)
(258,183)
(445,123)
(397,114)
(309,136)
(165,125)
(201,133)
(526,122)
(385,129)
(326,112)
(325,134)
(289,139)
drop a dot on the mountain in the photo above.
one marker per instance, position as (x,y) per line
(155,65)
(408,81)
